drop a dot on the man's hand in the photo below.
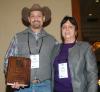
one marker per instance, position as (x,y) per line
(17,85)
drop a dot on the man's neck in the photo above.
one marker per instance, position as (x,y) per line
(36,30)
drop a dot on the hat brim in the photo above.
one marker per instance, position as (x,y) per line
(25,14)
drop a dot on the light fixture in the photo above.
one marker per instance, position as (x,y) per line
(96,45)
(97,1)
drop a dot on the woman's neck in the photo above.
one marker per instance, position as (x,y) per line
(66,41)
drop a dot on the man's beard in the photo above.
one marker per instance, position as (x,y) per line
(36,24)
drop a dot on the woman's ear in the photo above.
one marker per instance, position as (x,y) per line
(76,34)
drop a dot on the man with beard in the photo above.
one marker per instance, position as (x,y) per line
(34,42)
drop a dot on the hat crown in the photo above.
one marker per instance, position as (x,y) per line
(36,7)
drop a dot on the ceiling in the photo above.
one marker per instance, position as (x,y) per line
(90,20)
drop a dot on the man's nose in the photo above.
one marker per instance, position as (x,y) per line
(36,18)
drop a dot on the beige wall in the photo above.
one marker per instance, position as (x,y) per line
(10,22)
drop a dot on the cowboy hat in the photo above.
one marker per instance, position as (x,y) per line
(36,7)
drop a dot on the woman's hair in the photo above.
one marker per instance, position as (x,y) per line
(72,20)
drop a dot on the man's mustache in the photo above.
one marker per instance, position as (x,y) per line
(35,21)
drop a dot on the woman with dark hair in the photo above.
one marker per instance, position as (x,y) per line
(74,66)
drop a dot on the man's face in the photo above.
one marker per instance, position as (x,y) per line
(36,19)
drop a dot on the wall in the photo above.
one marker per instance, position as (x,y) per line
(10,22)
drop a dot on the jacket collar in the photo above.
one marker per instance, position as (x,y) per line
(42,33)
(77,44)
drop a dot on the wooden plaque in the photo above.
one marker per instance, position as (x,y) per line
(18,70)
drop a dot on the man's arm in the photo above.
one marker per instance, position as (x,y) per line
(12,51)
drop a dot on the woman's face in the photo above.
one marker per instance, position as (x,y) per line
(68,30)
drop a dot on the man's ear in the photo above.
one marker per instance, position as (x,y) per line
(44,19)
(29,19)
